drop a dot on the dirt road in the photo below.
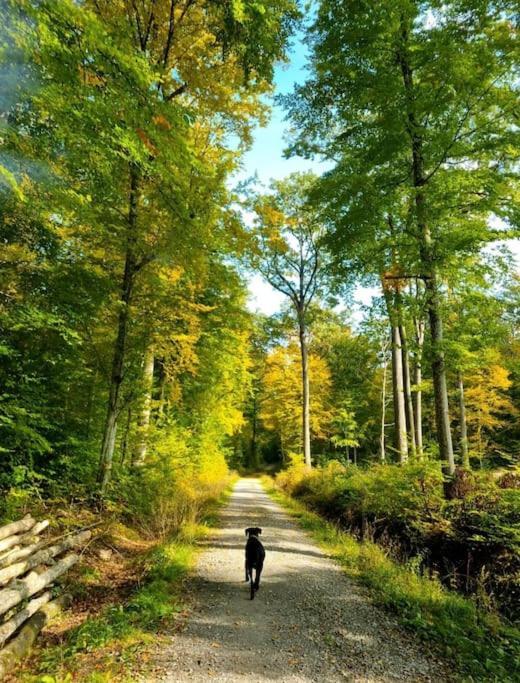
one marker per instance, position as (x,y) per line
(309,622)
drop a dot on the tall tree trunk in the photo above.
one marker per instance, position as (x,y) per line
(463,425)
(440,389)
(426,250)
(161,390)
(419,338)
(143,422)
(407,386)
(116,377)
(254,434)
(401,441)
(126,435)
(306,432)
(382,445)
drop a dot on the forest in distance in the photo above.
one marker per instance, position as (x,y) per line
(135,379)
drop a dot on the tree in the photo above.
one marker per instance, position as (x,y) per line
(345,428)
(281,397)
(162,33)
(475,330)
(488,406)
(289,258)
(123,141)
(409,126)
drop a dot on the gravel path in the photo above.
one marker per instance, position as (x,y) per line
(308,622)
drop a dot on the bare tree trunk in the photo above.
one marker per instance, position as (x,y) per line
(407,385)
(116,379)
(382,445)
(427,254)
(254,434)
(13,528)
(20,646)
(463,425)
(440,389)
(143,423)
(306,433)
(419,331)
(401,441)
(161,389)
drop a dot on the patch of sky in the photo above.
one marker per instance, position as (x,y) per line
(266,161)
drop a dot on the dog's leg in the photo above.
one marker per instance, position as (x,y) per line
(247,572)
(259,568)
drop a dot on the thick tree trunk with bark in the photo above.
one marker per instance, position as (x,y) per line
(426,250)
(440,388)
(143,423)
(116,377)
(306,431)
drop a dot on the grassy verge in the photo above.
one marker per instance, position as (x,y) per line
(481,646)
(111,644)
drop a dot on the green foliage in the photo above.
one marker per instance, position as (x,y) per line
(471,543)
(151,607)
(111,173)
(169,493)
(137,621)
(481,647)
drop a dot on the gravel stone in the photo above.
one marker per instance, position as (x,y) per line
(308,622)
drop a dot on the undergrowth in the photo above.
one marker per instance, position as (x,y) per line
(482,647)
(109,645)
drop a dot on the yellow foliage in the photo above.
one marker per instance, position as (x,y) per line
(282,392)
(488,407)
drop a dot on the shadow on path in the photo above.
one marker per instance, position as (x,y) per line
(307,623)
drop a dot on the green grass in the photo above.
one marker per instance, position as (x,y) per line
(120,633)
(481,646)
(126,628)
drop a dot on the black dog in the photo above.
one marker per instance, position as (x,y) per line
(255,556)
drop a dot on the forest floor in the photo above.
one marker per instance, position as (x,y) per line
(308,622)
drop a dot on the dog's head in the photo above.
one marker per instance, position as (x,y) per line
(253,531)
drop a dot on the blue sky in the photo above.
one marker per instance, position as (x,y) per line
(265,159)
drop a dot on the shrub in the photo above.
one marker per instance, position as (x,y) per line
(175,486)
(472,543)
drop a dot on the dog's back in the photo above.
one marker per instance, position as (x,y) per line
(255,553)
